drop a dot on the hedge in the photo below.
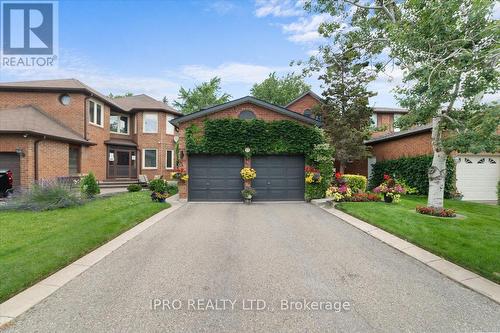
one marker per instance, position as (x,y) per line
(357,183)
(232,136)
(413,171)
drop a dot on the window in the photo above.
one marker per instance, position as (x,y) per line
(74,160)
(65,99)
(492,161)
(149,158)
(373,119)
(150,123)
(247,115)
(135,124)
(95,113)
(481,161)
(169,160)
(308,113)
(118,124)
(396,117)
(170,127)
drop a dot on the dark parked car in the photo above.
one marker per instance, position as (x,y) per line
(6,180)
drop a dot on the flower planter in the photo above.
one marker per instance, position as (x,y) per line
(388,198)
(248,200)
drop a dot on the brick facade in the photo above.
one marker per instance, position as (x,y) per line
(53,158)
(306,102)
(232,112)
(408,146)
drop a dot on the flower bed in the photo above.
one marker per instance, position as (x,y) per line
(391,189)
(443,212)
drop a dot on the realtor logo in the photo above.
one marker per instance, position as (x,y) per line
(29,33)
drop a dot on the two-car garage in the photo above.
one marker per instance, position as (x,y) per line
(217,177)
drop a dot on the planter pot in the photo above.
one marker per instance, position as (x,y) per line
(388,199)
(248,200)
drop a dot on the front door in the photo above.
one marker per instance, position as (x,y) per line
(122,163)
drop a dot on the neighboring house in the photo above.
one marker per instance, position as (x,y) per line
(61,128)
(477,175)
(217,177)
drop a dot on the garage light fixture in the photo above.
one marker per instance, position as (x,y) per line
(20,152)
(247,150)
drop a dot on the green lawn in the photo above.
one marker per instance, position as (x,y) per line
(35,244)
(472,242)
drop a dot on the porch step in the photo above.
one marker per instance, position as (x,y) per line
(112,183)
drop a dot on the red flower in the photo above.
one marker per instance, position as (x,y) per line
(338,175)
(386,177)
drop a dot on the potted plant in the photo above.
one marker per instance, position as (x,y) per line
(180,174)
(248,193)
(248,173)
(391,189)
(159,189)
(313,175)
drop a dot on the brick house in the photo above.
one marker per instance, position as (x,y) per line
(58,128)
(477,175)
(217,177)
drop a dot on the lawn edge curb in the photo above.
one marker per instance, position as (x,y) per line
(452,271)
(26,299)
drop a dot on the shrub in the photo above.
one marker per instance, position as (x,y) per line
(357,183)
(413,170)
(158,185)
(443,212)
(364,197)
(89,187)
(134,188)
(46,195)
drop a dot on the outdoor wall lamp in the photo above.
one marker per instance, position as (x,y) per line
(20,152)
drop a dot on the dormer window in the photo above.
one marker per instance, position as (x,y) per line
(95,113)
(308,113)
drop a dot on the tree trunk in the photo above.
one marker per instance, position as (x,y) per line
(437,171)
(342,167)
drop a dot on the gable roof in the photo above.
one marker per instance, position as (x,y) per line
(127,104)
(143,102)
(401,134)
(30,120)
(239,101)
(310,92)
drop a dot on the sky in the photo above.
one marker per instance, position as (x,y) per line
(155,47)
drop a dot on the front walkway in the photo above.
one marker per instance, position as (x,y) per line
(273,253)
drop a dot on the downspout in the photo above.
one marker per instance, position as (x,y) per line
(85,117)
(35,148)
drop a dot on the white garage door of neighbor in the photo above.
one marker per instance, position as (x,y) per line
(477,176)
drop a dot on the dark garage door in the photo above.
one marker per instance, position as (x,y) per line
(10,161)
(215,178)
(278,177)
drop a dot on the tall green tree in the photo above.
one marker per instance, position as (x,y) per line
(201,96)
(448,54)
(280,90)
(345,112)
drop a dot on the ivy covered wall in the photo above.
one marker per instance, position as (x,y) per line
(232,136)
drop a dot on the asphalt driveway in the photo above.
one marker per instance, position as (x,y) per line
(263,255)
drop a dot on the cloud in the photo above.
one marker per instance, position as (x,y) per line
(279,8)
(305,29)
(221,7)
(230,72)
(75,66)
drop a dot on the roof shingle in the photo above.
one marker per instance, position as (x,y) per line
(30,120)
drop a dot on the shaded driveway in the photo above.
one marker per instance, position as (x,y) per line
(270,252)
